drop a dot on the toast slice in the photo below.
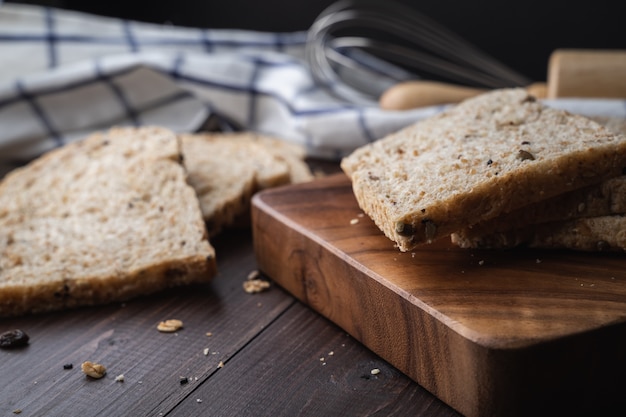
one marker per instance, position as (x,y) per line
(590,234)
(226,169)
(487,156)
(604,199)
(100,220)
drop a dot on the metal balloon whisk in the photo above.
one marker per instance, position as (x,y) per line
(358,48)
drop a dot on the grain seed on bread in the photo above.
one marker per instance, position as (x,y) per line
(100,220)
(471,163)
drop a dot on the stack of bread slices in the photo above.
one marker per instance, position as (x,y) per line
(497,171)
(124,213)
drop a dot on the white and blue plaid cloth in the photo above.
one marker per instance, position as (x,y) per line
(65,74)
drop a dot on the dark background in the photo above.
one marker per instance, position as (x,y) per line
(522,34)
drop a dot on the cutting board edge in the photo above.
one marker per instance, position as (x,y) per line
(475,336)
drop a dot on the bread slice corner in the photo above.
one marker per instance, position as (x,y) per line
(226,169)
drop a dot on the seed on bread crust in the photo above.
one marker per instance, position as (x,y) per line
(603,245)
(430,229)
(404,229)
(525,155)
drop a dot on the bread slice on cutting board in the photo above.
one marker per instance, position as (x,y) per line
(551,223)
(226,169)
(100,220)
(487,156)
(589,234)
(604,199)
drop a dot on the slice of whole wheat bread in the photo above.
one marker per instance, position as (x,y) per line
(590,234)
(606,198)
(603,199)
(226,169)
(486,156)
(100,220)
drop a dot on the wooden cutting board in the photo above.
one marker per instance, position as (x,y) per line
(491,333)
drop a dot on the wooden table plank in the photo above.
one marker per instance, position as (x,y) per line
(326,373)
(271,346)
(124,339)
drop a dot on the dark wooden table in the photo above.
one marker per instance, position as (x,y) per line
(279,357)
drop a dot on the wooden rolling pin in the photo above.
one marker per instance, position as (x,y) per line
(571,73)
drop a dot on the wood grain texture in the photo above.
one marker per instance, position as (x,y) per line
(328,374)
(587,73)
(491,333)
(124,339)
(269,343)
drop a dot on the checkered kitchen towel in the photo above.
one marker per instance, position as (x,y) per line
(65,74)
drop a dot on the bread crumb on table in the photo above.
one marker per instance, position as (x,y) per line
(170,326)
(253,286)
(93,370)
